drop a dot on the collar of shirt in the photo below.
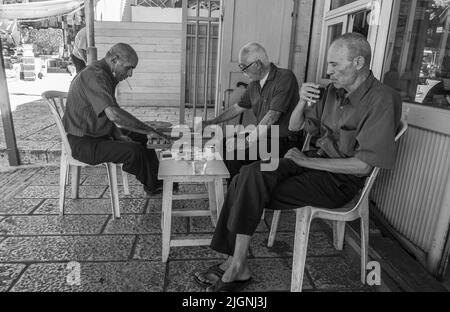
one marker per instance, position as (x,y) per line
(263,81)
(104,66)
(356,96)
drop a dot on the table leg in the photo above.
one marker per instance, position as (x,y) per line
(216,198)
(166,215)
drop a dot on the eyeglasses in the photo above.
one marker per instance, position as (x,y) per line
(245,67)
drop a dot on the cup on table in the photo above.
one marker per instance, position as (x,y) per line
(209,153)
(199,165)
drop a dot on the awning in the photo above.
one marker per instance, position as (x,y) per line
(39,10)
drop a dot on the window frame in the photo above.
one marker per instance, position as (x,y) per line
(377,36)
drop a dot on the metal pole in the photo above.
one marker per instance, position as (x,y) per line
(5,109)
(207,40)
(89,17)
(197,28)
(183,61)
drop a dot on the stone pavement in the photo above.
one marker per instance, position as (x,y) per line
(36,244)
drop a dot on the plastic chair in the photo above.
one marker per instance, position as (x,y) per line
(357,208)
(56,101)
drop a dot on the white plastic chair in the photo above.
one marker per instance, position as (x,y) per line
(357,208)
(56,101)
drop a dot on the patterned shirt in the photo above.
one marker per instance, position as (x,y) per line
(90,92)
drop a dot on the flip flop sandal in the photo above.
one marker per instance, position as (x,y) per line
(234,286)
(212,270)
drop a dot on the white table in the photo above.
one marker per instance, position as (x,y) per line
(171,171)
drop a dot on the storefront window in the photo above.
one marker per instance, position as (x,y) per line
(418,60)
(338,3)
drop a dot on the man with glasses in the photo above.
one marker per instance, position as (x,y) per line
(272,96)
(93,115)
(354,125)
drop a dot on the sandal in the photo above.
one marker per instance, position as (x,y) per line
(233,286)
(212,270)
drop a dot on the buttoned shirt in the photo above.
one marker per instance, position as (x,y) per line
(361,124)
(90,92)
(279,93)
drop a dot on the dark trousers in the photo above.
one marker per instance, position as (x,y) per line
(79,64)
(234,165)
(135,157)
(288,187)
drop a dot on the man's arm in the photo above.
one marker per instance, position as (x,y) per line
(269,119)
(336,165)
(228,114)
(307,94)
(125,120)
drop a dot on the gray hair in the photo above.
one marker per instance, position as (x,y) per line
(123,50)
(253,51)
(357,45)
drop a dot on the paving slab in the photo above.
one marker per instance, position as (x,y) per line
(8,274)
(319,244)
(52,225)
(155,204)
(136,191)
(272,274)
(204,225)
(287,221)
(47,179)
(18,206)
(143,224)
(66,248)
(333,273)
(92,206)
(94,277)
(148,247)
(52,191)
(102,179)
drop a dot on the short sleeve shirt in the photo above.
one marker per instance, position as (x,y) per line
(90,92)
(362,124)
(279,93)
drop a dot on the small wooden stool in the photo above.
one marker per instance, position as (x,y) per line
(171,171)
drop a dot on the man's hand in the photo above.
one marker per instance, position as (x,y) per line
(159,138)
(310,93)
(295,155)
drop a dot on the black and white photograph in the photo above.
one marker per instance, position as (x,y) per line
(225,154)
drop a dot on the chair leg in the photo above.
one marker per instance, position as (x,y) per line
(166,219)
(273,227)
(302,225)
(112,176)
(126,187)
(364,244)
(63,177)
(338,234)
(75,172)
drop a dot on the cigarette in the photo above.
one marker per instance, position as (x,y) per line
(129,85)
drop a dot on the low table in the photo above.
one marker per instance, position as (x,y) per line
(170,171)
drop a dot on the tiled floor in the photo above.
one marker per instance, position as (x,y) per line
(37,246)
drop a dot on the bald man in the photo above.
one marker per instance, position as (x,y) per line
(272,96)
(92,118)
(355,124)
